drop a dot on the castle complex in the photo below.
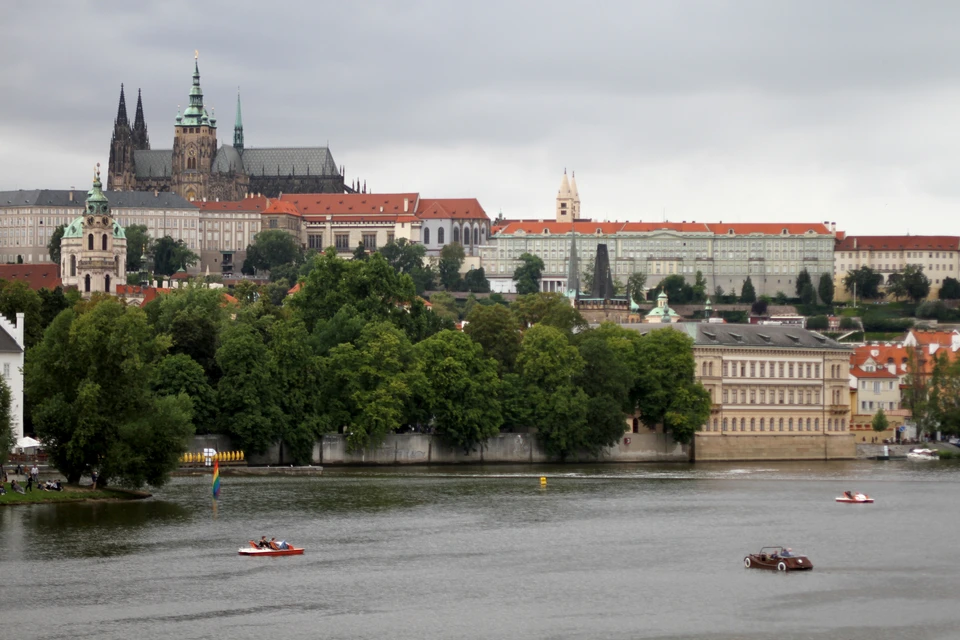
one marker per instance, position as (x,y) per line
(198,167)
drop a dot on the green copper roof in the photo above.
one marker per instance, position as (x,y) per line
(96,205)
(75,230)
(194,115)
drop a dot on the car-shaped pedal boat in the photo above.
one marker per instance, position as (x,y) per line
(254,550)
(855,497)
(778,559)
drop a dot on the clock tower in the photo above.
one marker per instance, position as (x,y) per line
(194,144)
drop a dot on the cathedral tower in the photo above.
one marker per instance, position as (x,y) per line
(238,128)
(194,144)
(120,170)
(568,200)
(141,141)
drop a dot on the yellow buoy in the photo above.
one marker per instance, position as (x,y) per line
(543,481)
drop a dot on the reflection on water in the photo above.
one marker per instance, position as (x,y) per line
(603,551)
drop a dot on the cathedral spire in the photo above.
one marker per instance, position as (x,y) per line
(238,127)
(140,139)
(194,114)
(122,111)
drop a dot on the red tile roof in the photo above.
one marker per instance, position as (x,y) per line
(258,203)
(879,373)
(279,207)
(884,353)
(583,227)
(352,203)
(685,227)
(769,228)
(942,338)
(899,243)
(455,208)
(37,275)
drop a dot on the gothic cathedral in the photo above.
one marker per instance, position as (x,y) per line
(199,168)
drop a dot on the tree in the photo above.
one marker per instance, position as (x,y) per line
(637,287)
(445,305)
(360,253)
(169,256)
(298,375)
(552,309)
(6,422)
(451,260)
(747,293)
(138,243)
(180,374)
(808,295)
(476,281)
(273,248)
(950,289)
(912,283)
(818,323)
(759,308)
(462,389)
(718,295)
(17,297)
(607,378)
(247,393)
(53,247)
(825,288)
(665,391)
(880,422)
(780,298)
(676,288)
(863,282)
(699,288)
(88,385)
(918,392)
(547,365)
(939,395)
(527,275)
(192,317)
(497,330)
(803,279)
(407,257)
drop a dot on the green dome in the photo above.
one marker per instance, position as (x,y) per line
(75,230)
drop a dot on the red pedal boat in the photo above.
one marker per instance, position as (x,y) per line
(254,550)
(855,497)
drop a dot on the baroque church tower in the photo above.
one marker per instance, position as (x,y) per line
(568,199)
(194,144)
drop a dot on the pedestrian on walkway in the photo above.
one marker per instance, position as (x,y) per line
(35,472)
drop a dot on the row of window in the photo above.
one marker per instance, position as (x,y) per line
(765,395)
(775,424)
(763,369)
(894,254)
(866,405)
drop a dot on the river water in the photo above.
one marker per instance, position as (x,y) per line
(605,551)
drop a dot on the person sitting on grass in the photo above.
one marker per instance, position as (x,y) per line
(57,486)
(16,487)
(3,491)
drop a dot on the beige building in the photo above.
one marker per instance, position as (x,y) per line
(772,254)
(938,255)
(777,392)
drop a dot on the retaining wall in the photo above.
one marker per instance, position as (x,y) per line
(764,447)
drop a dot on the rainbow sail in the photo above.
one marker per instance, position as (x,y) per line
(216,478)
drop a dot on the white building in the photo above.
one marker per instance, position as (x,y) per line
(11,366)
(93,251)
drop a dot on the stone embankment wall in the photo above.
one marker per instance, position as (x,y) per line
(507,448)
(795,447)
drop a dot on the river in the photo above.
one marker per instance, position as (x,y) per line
(603,551)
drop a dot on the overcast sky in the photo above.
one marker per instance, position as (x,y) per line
(709,111)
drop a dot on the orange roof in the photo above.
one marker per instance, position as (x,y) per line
(43,275)
(899,243)
(885,354)
(352,203)
(941,338)
(363,218)
(147,293)
(456,208)
(292,290)
(540,227)
(769,228)
(879,373)
(258,203)
(230,299)
(282,208)
(684,227)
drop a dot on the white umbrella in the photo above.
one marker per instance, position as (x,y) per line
(27,442)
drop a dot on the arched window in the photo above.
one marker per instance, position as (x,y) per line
(781,424)
(456,234)
(704,368)
(90,242)
(73,266)
(816,424)
(761,424)
(808,424)
(476,235)
(103,242)
(106,283)
(724,424)
(743,424)
(426,236)
(790,424)
(86,281)
(753,424)
(440,235)
(716,427)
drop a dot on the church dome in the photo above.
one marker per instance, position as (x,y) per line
(74,229)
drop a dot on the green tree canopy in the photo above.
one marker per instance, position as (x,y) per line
(180,374)
(699,288)
(863,282)
(527,275)
(497,330)
(16,296)
(138,244)
(551,309)
(6,422)
(808,295)
(407,257)
(53,247)
(273,248)
(445,306)
(637,286)
(462,389)
(747,293)
(803,279)
(950,289)
(880,422)
(298,376)
(825,288)
(910,283)
(476,281)
(170,255)
(451,260)
(88,383)
(665,391)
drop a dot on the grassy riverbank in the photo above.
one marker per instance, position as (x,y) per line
(69,494)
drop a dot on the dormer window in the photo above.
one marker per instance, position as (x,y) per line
(784,232)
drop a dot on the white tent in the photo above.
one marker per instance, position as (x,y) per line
(27,443)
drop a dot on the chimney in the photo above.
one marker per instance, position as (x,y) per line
(19,327)
(406,205)
(854,243)
(71,196)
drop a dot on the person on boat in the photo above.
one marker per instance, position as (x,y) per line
(273,544)
(283,545)
(263,544)
(786,553)
(848,494)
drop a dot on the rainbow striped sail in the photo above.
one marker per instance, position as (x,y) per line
(216,478)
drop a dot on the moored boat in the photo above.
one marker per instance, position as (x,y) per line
(923,454)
